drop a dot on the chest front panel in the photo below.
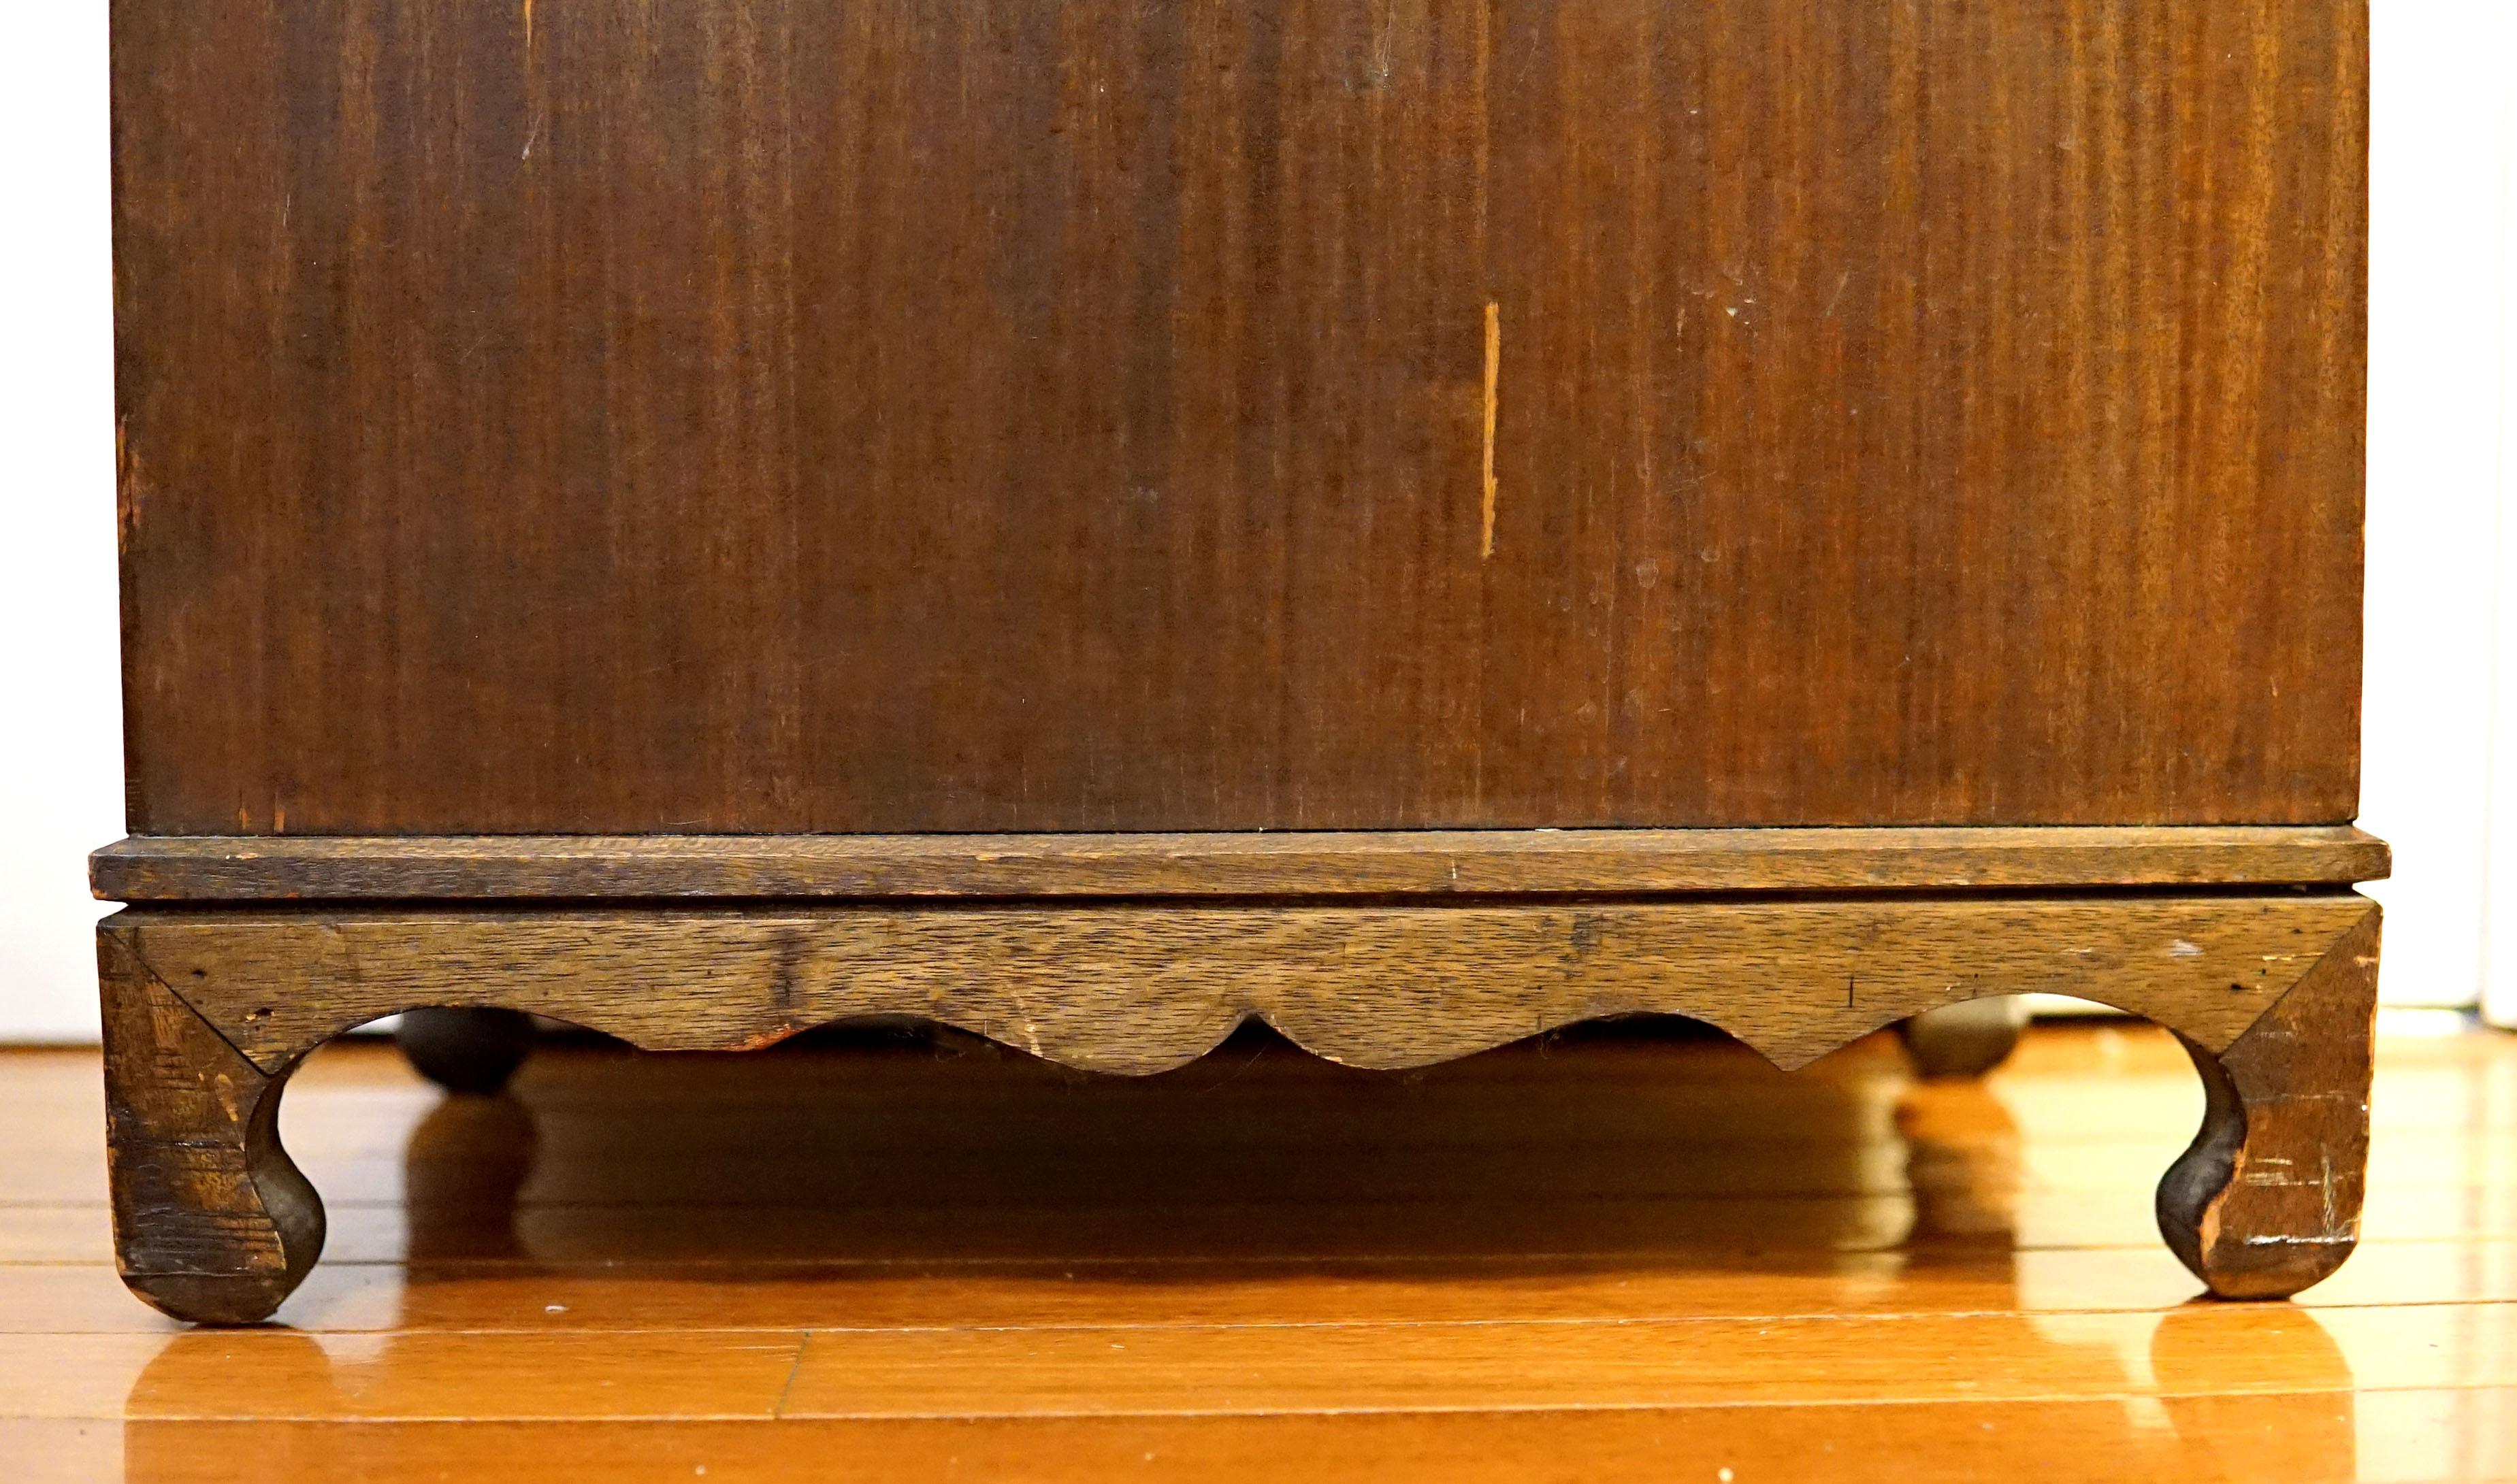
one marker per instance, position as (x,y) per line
(884,415)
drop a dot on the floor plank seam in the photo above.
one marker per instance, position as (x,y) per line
(778,1406)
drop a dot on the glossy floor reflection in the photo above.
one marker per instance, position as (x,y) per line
(1627,1252)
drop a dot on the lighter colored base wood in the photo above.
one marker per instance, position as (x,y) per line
(213,1222)
(2267,1200)
(2270,994)
(260,868)
(1140,989)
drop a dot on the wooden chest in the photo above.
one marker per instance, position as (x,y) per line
(1421,521)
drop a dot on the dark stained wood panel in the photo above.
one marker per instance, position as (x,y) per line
(864,415)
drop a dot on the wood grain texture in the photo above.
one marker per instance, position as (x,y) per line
(2267,1200)
(1250,1371)
(2292,1438)
(1300,1369)
(1258,1371)
(1142,989)
(1312,863)
(352,1297)
(789,417)
(211,1220)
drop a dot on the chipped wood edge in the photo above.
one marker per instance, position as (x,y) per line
(212,1221)
(2267,1200)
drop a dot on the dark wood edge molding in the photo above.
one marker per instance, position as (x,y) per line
(2267,1200)
(1437,863)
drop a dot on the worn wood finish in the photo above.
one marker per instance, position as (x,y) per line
(1073,414)
(262,868)
(1141,987)
(211,1221)
(2267,1200)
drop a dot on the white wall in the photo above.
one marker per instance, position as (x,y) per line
(2441,578)
(60,725)
(2439,555)
(2500,896)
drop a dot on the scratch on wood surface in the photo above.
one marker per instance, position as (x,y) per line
(131,488)
(1494,368)
(534,131)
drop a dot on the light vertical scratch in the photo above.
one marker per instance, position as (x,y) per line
(1494,368)
(534,132)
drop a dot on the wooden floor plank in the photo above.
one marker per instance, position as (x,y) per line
(1257,1370)
(724,1166)
(2297,1438)
(776,1235)
(1629,1254)
(522,1296)
(1476,1366)
(274,1372)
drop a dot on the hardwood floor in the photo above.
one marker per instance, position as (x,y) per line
(1627,1254)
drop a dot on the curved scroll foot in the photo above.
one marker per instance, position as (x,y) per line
(2266,1202)
(211,1221)
(1968,1039)
(473,1051)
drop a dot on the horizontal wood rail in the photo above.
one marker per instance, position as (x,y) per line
(590,867)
